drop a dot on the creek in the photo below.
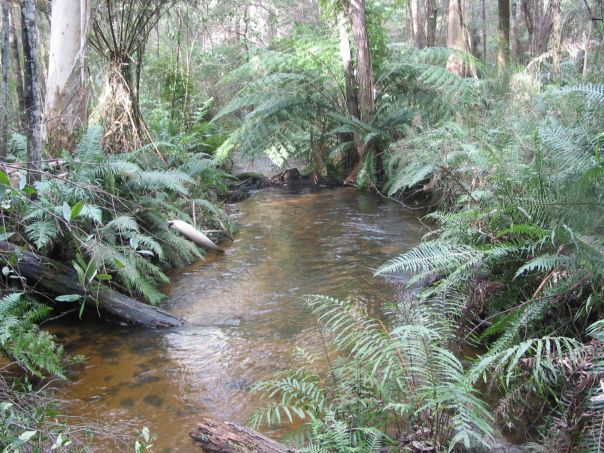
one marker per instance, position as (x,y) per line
(244,309)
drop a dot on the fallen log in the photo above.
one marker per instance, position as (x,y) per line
(53,278)
(193,234)
(226,437)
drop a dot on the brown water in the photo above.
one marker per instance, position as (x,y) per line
(245,312)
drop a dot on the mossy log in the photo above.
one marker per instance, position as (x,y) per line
(226,437)
(50,277)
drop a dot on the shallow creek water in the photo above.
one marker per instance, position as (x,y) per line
(244,310)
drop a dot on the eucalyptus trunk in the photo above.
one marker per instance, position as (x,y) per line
(363,54)
(18,71)
(556,35)
(33,103)
(514,37)
(419,21)
(539,23)
(364,76)
(352,104)
(350,93)
(483,14)
(455,36)
(431,20)
(503,35)
(66,105)
(4,57)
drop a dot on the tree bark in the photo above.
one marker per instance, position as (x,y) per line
(556,35)
(364,76)
(4,58)
(225,437)
(431,20)
(53,278)
(514,38)
(539,24)
(419,22)
(455,36)
(364,69)
(32,90)
(352,103)
(66,106)
(350,92)
(503,35)
(483,13)
(18,72)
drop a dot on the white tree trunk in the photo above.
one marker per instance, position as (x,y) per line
(65,110)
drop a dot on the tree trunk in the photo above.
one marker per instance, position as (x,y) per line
(527,12)
(483,13)
(543,31)
(4,58)
(431,20)
(419,22)
(539,24)
(66,107)
(364,76)
(18,72)
(226,437)
(455,36)
(350,93)
(587,37)
(364,69)
(556,35)
(32,90)
(515,39)
(503,35)
(53,278)
(352,103)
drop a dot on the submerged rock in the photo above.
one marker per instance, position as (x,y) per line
(154,400)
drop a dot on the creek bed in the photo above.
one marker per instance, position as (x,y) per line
(245,312)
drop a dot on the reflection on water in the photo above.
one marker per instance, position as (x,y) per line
(244,309)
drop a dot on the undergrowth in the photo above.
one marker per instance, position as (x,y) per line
(514,265)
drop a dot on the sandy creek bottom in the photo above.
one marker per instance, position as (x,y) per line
(245,313)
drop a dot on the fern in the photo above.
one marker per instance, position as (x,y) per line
(400,376)
(33,349)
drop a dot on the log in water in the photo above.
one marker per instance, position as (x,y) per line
(215,436)
(53,278)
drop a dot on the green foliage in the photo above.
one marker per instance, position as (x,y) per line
(381,380)
(519,243)
(114,211)
(515,262)
(295,104)
(287,105)
(21,339)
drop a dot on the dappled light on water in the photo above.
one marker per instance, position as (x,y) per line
(245,312)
